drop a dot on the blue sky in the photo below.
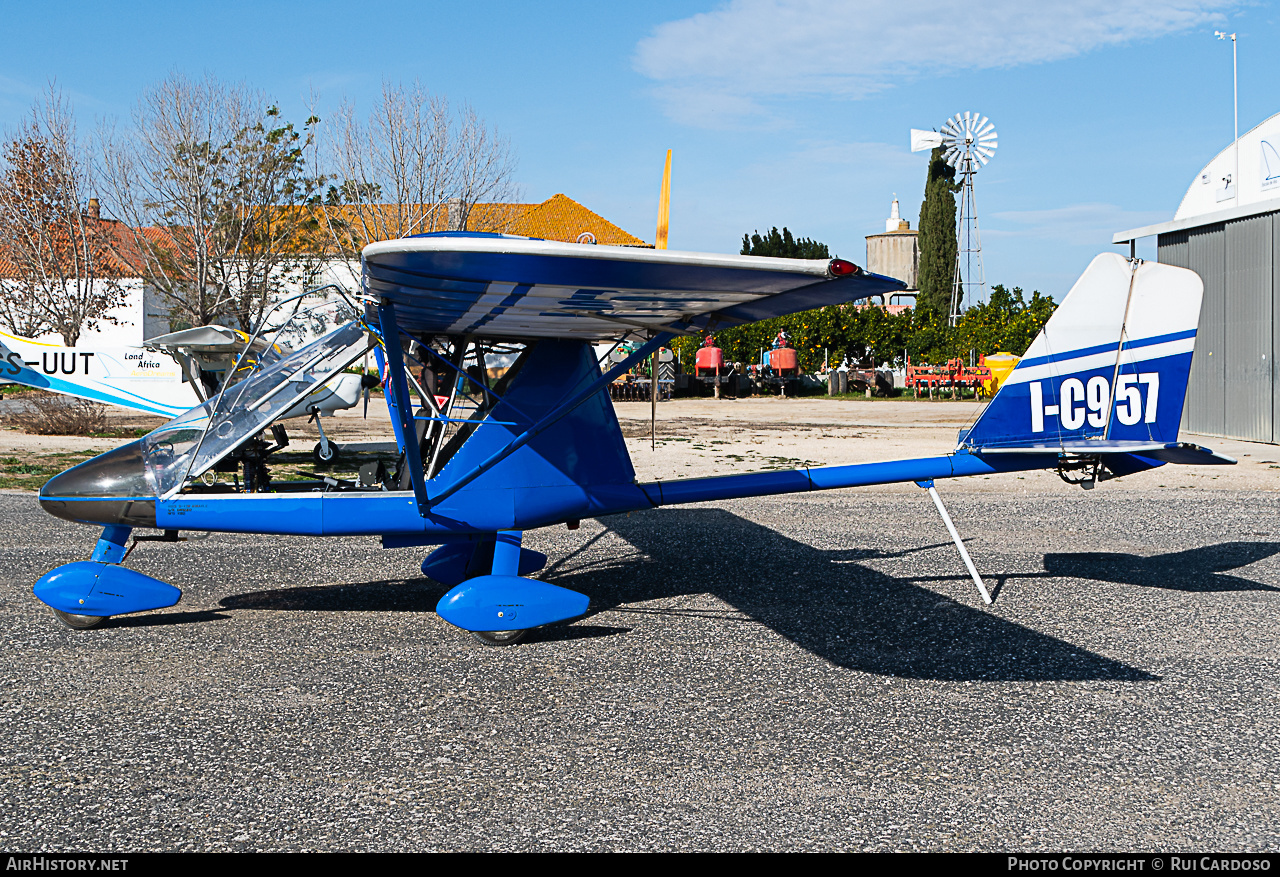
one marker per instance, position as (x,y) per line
(779,112)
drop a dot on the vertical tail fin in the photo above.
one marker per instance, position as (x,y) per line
(1111,364)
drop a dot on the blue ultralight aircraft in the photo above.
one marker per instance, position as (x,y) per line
(1099,394)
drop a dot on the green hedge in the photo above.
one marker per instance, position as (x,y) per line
(1007,322)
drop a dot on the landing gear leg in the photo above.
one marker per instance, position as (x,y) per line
(506,562)
(498,608)
(325,451)
(86,593)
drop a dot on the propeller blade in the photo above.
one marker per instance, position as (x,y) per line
(366,403)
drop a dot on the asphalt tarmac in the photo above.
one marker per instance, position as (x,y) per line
(789,673)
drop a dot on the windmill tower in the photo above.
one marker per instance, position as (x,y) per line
(969,141)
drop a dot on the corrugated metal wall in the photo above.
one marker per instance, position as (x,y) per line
(1232,391)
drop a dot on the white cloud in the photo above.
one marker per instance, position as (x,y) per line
(757,49)
(1079,224)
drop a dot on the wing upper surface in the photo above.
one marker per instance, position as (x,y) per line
(503,286)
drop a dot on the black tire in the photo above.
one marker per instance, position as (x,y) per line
(499,638)
(79,622)
(318,453)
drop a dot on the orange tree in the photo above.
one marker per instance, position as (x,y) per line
(866,333)
(1008,322)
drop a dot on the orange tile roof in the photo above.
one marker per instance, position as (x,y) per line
(559,218)
(116,251)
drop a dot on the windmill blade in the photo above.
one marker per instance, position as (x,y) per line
(922,140)
(968,136)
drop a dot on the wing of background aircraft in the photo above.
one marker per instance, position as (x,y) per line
(210,356)
(543,447)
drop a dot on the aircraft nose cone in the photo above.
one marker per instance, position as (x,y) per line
(111,488)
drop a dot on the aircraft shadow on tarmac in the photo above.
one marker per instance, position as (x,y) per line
(1199,570)
(823,600)
(402,595)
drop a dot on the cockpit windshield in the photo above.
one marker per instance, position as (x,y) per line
(192,443)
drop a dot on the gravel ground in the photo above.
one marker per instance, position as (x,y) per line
(789,673)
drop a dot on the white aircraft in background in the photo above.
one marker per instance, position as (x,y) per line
(167,376)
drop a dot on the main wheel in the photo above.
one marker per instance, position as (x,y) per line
(319,453)
(499,637)
(79,622)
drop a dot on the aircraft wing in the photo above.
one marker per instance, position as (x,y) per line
(492,285)
(202,339)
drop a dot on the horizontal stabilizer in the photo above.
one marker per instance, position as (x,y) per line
(1166,452)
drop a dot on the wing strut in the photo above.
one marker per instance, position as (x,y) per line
(402,409)
(951,528)
(553,418)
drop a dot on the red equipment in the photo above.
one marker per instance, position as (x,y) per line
(711,359)
(954,376)
(783,361)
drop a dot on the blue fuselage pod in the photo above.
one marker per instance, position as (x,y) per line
(110,489)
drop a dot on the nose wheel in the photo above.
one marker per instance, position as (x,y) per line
(79,622)
(325,452)
(499,637)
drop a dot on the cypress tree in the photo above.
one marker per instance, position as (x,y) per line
(938,248)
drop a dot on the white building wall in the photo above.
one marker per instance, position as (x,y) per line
(121,327)
(144,313)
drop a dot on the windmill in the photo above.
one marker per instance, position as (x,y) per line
(969,141)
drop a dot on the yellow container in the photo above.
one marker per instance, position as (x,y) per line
(1001,364)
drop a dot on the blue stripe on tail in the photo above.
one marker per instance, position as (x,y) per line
(1144,405)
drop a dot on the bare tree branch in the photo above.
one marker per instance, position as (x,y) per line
(215,187)
(415,166)
(62,273)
